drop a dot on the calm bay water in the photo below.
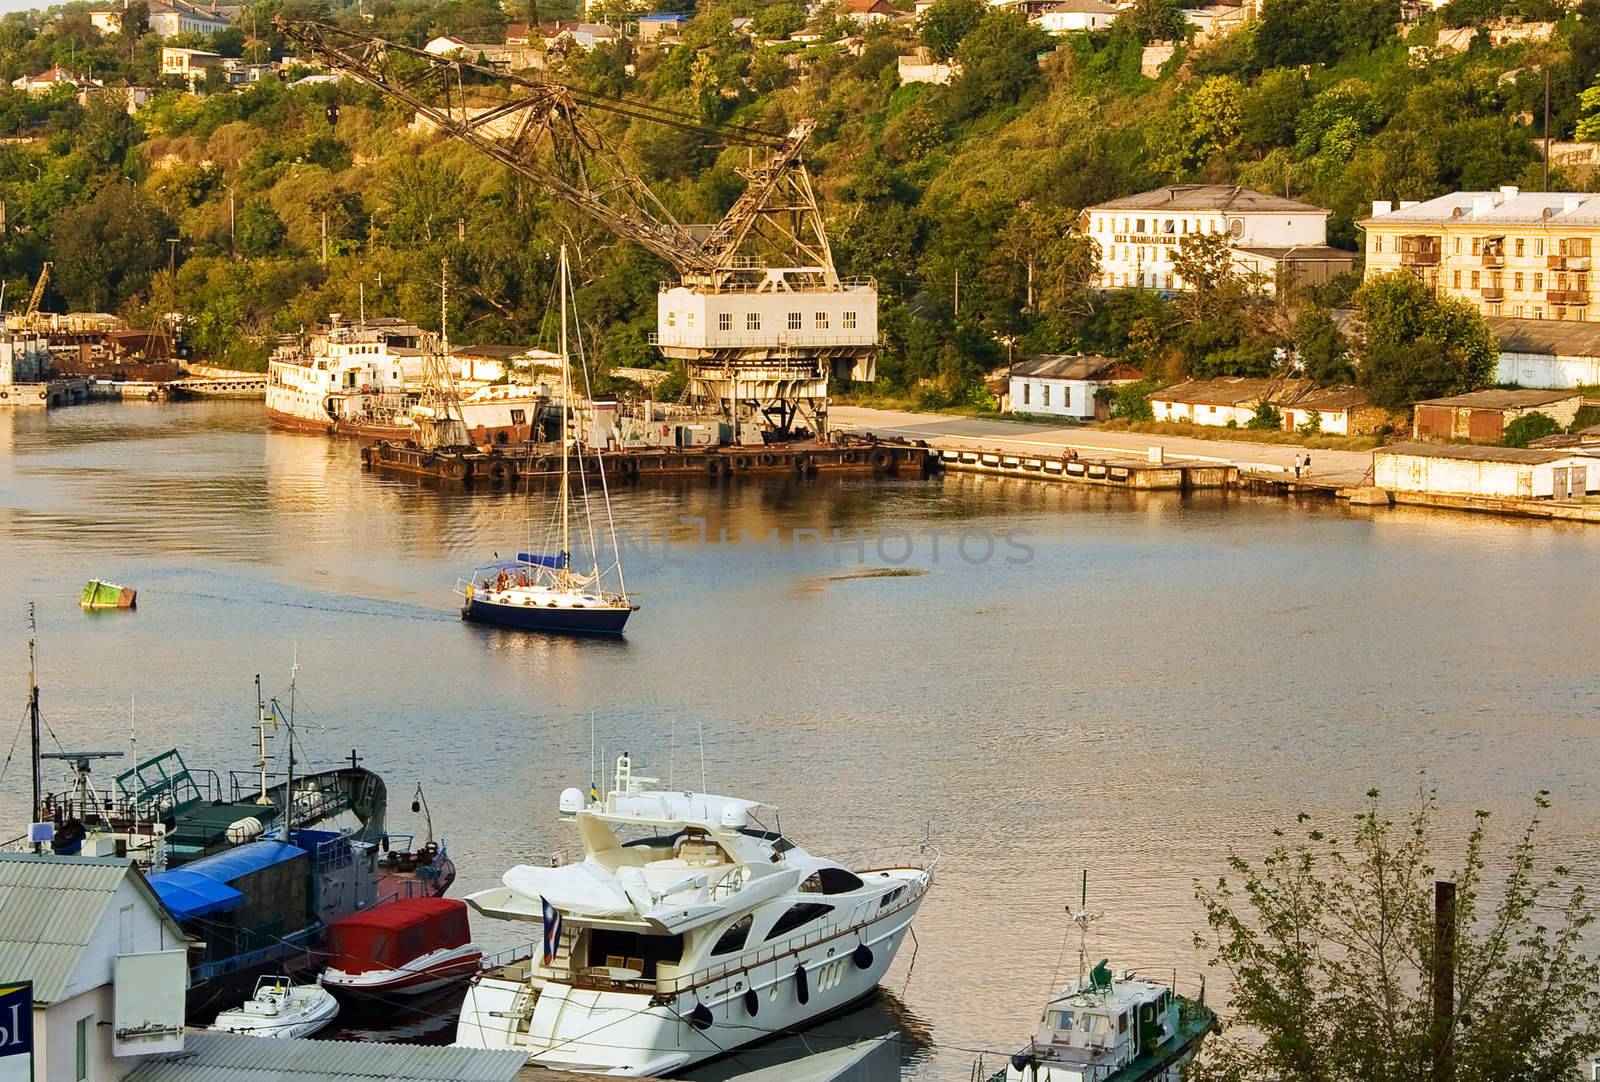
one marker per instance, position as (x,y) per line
(1152,681)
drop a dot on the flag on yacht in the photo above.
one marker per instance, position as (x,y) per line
(552,930)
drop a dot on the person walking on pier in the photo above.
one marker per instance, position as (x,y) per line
(1307,466)
(1297,466)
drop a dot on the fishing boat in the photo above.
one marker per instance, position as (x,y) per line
(280,1008)
(688,929)
(407,947)
(99,594)
(1106,1027)
(544,592)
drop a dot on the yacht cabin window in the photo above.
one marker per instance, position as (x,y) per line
(831,881)
(734,937)
(798,915)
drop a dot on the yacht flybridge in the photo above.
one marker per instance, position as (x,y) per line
(688,929)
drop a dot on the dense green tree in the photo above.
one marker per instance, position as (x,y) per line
(1418,345)
(1322,351)
(1269,111)
(105,252)
(1154,20)
(1329,941)
(999,62)
(947,22)
(1529,427)
(260,231)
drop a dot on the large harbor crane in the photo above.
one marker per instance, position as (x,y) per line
(757,312)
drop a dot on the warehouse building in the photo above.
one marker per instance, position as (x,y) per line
(1492,472)
(1546,353)
(1482,416)
(1066,386)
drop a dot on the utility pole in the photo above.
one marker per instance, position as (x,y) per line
(1030,282)
(230,224)
(324,237)
(172,254)
(1444,980)
(1547,129)
(958,291)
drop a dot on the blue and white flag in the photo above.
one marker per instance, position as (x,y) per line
(552,930)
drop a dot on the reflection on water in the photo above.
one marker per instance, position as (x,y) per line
(1161,678)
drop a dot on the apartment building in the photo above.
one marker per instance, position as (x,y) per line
(1524,255)
(1278,239)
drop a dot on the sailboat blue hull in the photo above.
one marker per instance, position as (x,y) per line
(608,621)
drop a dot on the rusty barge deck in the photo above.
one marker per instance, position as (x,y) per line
(500,467)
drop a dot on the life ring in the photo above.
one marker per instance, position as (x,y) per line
(5,394)
(46,394)
(501,471)
(882,460)
(769,459)
(456,469)
(741,462)
(543,465)
(626,467)
(849,458)
(715,467)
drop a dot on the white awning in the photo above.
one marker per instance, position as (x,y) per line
(581,889)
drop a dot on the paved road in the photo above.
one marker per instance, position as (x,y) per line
(1342,467)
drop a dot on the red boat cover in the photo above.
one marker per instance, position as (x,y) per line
(390,935)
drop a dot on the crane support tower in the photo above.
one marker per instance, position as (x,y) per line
(756,310)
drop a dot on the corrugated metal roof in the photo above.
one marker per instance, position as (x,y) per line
(49,909)
(1201,197)
(1524,456)
(1495,399)
(1553,337)
(230,1057)
(1065,366)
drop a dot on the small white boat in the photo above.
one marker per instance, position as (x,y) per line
(280,1009)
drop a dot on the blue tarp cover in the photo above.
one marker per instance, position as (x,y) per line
(242,860)
(559,560)
(187,895)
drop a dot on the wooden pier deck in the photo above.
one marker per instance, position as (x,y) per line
(1068,467)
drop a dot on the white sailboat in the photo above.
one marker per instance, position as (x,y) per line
(543,591)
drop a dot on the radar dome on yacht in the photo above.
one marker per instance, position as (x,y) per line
(571,800)
(734,817)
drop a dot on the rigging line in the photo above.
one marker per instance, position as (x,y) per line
(14,738)
(583,479)
(605,486)
(1055,976)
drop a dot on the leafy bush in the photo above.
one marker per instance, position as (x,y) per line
(1529,427)
(1265,419)
(1130,402)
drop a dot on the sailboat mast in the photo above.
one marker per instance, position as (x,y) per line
(33,723)
(566,406)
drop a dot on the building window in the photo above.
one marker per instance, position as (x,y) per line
(1377,244)
(1477,245)
(724,321)
(1456,280)
(84,1023)
(752,321)
(1538,281)
(1520,243)
(672,319)
(1538,312)
(1517,279)
(1027,393)
(1538,246)
(1476,278)
(519,417)
(794,321)
(1139,226)
(688,320)
(1457,247)
(1046,390)
(848,321)
(822,321)
(1211,409)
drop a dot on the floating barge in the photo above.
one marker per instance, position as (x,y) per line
(1114,472)
(502,467)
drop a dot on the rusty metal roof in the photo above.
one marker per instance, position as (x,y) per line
(1065,366)
(231,1057)
(1494,399)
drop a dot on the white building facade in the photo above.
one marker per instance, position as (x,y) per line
(1066,386)
(1139,235)
(1493,472)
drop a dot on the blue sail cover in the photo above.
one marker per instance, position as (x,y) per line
(557,561)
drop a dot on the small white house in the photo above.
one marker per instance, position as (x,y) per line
(1496,472)
(109,966)
(1077,16)
(1234,400)
(1547,353)
(1218,402)
(1065,386)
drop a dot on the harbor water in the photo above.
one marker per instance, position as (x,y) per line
(1036,679)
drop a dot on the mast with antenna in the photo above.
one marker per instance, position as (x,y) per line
(262,718)
(288,785)
(566,405)
(1083,918)
(33,721)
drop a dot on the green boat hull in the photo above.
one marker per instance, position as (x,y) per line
(108,595)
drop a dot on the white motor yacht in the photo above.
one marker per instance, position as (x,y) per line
(687,930)
(280,1008)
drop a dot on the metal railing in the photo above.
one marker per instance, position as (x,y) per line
(775,339)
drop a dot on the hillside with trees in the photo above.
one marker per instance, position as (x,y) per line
(980,181)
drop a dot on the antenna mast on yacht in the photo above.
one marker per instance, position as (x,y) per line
(1083,918)
(288,785)
(566,405)
(262,718)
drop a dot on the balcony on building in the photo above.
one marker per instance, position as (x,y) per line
(1568,297)
(1494,293)
(1572,255)
(1420,251)
(1494,252)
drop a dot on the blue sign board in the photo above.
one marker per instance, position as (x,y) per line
(16,1031)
